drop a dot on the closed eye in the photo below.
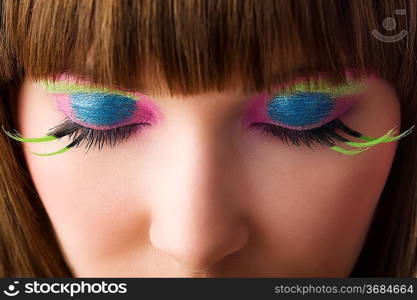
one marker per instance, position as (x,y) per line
(325,135)
(91,138)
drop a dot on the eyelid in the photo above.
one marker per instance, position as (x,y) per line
(102,110)
(145,112)
(344,98)
(340,105)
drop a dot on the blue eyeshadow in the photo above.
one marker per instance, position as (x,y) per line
(300,108)
(102,109)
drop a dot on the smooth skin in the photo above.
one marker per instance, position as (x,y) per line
(199,196)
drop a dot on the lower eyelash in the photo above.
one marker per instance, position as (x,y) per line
(92,137)
(324,135)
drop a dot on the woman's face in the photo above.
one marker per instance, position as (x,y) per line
(197,194)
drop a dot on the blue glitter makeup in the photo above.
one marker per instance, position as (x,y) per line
(101,109)
(300,108)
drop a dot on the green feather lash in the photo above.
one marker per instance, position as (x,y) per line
(47,138)
(348,152)
(65,149)
(371,141)
(16,136)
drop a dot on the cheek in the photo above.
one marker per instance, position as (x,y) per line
(94,206)
(312,210)
(87,197)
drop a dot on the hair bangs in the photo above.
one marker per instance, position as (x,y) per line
(190,47)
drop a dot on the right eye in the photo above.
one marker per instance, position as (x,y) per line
(97,119)
(94,116)
(99,111)
(92,138)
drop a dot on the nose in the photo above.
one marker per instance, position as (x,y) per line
(197,243)
(198,208)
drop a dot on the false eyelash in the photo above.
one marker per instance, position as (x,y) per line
(324,135)
(91,137)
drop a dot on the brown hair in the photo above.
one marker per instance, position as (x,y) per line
(187,47)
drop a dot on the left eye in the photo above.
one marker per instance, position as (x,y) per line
(79,134)
(304,118)
(307,118)
(325,135)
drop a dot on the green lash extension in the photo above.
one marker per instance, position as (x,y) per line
(348,152)
(65,149)
(47,138)
(391,139)
(370,142)
(18,137)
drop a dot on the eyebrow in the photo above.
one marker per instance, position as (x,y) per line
(316,83)
(62,86)
(300,81)
(323,86)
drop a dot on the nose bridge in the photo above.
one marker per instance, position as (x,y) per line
(195,219)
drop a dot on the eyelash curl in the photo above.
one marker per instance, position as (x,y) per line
(91,137)
(327,136)
(80,135)
(324,135)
